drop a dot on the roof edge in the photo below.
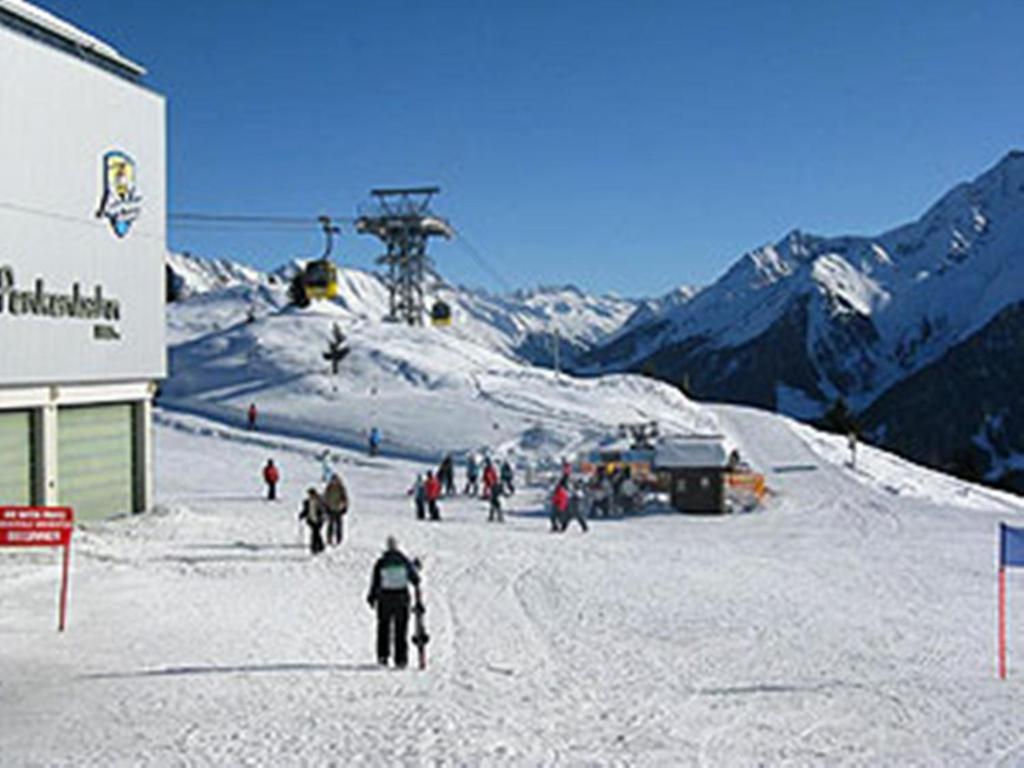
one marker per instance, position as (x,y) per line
(44,26)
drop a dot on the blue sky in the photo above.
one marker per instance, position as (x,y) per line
(622,146)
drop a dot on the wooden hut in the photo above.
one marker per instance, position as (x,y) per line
(694,471)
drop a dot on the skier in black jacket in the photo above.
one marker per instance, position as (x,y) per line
(494,511)
(389,595)
(508,477)
(314,513)
(446,474)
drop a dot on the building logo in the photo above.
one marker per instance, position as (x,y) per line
(121,203)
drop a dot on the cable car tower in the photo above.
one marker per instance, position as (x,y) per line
(403,221)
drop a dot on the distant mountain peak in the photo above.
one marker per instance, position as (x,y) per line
(851,308)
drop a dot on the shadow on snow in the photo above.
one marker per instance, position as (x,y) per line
(238,669)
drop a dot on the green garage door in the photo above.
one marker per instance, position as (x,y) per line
(95,460)
(16,457)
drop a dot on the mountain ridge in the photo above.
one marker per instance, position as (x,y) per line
(796,324)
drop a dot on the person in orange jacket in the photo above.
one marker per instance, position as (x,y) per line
(271,476)
(251,416)
(432,489)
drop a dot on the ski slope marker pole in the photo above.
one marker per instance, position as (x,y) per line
(64,586)
(1002,622)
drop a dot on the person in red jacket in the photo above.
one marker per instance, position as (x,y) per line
(271,476)
(560,508)
(251,416)
(432,490)
(490,478)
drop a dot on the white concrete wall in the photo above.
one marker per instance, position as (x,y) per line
(59,115)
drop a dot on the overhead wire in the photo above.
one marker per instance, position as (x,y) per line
(198,221)
(212,222)
(247,219)
(482,261)
(94,222)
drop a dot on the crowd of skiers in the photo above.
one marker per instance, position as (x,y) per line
(609,491)
(573,499)
(485,479)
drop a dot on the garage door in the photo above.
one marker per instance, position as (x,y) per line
(95,460)
(16,457)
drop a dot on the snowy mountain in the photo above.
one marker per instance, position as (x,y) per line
(651,310)
(794,325)
(524,324)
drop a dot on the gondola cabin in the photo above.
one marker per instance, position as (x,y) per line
(320,279)
(441,314)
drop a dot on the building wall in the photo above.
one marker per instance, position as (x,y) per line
(45,404)
(59,117)
(81,257)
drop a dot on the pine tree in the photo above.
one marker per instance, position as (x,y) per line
(172,285)
(839,418)
(337,349)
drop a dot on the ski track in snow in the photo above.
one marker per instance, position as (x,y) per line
(843,625)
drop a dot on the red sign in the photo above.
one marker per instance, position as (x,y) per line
(35,526)
(40,527)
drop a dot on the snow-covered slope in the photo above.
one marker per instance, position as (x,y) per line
(429,390)
(848,623)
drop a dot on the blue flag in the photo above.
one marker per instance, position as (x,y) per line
(1011,546)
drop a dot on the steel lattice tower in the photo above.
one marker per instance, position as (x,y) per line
(403,222)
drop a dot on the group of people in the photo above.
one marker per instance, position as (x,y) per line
(393,573)
(325,508)
(611,490)
(608,491)
(487,479)
(426,491)
(490,474)
(568,502)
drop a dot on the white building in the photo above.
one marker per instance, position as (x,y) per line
(82,243)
